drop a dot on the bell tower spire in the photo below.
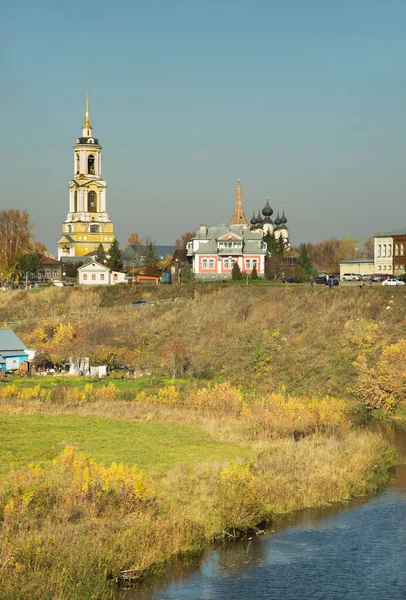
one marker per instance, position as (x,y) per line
(239,217)
(87,128)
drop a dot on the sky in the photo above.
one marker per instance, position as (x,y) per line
(306,98)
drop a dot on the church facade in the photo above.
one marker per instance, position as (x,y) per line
(215,250)
(87,223)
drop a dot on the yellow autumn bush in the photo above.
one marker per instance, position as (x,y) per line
(240,499)
(73,482)
(383,386)
(278,416)
(220,399)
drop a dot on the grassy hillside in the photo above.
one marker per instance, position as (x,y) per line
(238,412)
(261,337)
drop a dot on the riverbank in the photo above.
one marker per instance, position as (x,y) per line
(236,405)
(71,526)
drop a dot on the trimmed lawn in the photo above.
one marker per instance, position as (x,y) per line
(26,439)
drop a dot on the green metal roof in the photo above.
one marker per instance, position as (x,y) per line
(392,233)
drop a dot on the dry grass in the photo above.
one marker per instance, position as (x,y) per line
(259,337)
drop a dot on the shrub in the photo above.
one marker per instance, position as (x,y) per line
(384,386)
(236,274)
(280,416)
(222,399)
(240,503)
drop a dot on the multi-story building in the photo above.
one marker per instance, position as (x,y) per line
(390,252)
(383,253)
(215,250)
(87,223)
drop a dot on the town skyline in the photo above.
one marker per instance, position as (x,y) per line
(310,105)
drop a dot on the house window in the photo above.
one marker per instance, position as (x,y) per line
(254,263)
(248,264)
(93,276)
(402,249)
(226,263)
(211,263)
(55,275)
(389,249)
(204,263)
(69,228)
(379,250)
(101,276)
(384,250)
(115,276)
(396,249)
(85,276)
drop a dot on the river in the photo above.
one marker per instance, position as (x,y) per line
(351,551)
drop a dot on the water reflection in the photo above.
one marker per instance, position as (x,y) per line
(355,551)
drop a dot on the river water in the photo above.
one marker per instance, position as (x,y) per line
(351,552)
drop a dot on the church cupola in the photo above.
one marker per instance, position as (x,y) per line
(260,220)
(267,211)
(278,221)
(283,219)
(253,220)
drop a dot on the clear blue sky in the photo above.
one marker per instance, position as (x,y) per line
(308,98)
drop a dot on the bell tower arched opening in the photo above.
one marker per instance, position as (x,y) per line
(92,202)
(91,164)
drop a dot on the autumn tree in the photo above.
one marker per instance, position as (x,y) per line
(180,244)
(135,240)
(327,254)
(15,241)
(39,248)
(368,248)
(114,262)
(273,267)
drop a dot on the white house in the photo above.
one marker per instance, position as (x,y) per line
(94,273)
(383,253)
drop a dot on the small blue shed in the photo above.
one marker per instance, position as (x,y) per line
(12,351)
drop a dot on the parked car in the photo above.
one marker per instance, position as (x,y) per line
(292,280)
(366,277)
(392,281)
(322,280)
(349,277)
(377,277)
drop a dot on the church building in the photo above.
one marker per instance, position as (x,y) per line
(87,223)
(215,250)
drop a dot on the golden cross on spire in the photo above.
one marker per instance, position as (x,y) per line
(87,119)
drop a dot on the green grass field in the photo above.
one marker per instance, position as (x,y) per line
(36,439)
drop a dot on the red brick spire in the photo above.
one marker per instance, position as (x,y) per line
(239,217)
